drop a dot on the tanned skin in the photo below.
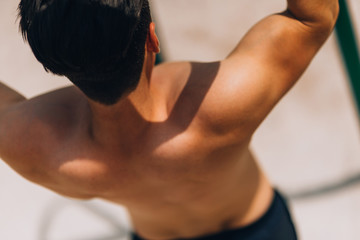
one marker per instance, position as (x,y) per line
(175,151)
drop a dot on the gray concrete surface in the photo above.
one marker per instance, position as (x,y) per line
(310,139)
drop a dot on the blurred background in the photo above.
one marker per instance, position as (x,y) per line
(309,143)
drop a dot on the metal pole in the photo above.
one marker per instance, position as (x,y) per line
(347,42)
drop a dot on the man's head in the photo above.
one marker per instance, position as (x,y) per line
(98,44)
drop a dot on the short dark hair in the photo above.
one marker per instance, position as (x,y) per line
(98,44)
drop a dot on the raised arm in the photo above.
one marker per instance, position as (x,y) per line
(8,97)
(290,38)
(273,55)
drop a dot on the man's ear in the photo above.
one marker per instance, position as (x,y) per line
(152,42)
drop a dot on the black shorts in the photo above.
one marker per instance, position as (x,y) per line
(276,224)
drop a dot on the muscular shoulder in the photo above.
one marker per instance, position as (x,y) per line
(236,102)
(32,130)
(219,97)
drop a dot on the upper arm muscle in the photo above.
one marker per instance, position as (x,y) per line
(271,57)
(12,137)
(262,68)
(8,97)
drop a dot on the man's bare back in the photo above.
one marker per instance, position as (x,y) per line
(159,167)
(175,151)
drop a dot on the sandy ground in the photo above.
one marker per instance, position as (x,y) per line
(310,139)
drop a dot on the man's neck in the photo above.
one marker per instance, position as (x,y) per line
(129,117)
(132,114)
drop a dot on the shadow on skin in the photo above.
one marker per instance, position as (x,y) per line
(59,112)
(90,171)
(187,105)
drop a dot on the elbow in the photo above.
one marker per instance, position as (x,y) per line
(328,19)
(333,15)
(321,20)
(325,26)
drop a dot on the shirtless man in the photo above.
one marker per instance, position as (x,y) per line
(171,143)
